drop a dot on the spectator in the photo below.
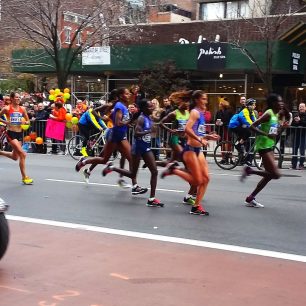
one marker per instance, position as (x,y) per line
(59,114)
(222,119)
(299,134)
(136,95)
(39,126)
(156,114)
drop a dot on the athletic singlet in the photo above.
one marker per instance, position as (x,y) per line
(270,127)
(125,117)
(147,125)
(16,116)
(199,126)
(181,120)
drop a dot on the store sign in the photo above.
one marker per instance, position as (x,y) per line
(211,56)
(295,57)
(96,56)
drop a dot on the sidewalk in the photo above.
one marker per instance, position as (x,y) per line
(47,265)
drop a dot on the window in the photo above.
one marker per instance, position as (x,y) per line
(67,33)
(79,39)
(223,10)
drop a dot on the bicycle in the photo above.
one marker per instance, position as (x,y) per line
(227,156)
(94,147)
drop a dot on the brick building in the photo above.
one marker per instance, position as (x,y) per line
(236,75)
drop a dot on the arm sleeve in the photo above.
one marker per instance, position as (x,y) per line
(99,125)
(246,119)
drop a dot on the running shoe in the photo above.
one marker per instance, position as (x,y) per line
(198,210)
(188,200)
(3,206)
(124,184)
(139,190)
(169,169)
(253,203)
(107,169)
(155,203)
(86,175)
(80,164)
(27,181)
(246,171)
(84,152)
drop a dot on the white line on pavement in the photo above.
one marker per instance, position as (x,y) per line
(204,244)
(107,185)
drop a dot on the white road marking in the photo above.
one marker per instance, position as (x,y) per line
(107,185)
(198,243)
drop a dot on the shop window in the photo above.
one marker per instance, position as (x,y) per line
(223,10)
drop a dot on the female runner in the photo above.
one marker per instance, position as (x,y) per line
(267,128)
(17,115)
(141,149)
(194,159)
(177,140)
(117,138)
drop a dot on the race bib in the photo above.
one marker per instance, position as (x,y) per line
(201,129)
(146,138)
(273,129)
(16,118)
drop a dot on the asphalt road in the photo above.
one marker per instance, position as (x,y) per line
(59,194)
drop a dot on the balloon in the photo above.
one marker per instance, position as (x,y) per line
(51,97)
(68,117)
(33,135)
(27,138)
(68,125)
(66,90)
(52,92)
(25,126)
(84,107)
(67,95)
(57,91)
(39,140)
(74,120)
(60,94)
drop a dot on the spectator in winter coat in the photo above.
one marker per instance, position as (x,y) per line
(299,137)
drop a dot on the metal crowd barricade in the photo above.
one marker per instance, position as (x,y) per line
(291,143)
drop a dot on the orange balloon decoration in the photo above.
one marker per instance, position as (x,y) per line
(33,135)
(27,138)
(68,117)
(66,90)
(39,140)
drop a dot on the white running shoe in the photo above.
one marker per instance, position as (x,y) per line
(254,203)
(123,184)
(86,174)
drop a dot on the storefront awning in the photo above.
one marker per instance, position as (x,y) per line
(296,35)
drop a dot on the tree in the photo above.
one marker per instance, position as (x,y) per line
(92,23)
(263,18)
(163,79)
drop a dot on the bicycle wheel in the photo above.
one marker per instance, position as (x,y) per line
(4,234)
(226,155)
(75,145)
(277,156)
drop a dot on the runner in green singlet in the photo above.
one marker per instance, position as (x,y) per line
(267,128)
